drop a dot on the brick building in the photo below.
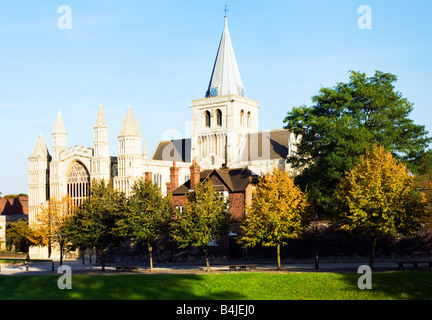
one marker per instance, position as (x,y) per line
(236,185)
(11,210)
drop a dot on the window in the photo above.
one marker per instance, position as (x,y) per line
(207,119)
(219,117)
(78,182)
(157,177)
(248,119)
(241,118)
(212,243)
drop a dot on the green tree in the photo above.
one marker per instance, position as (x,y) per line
(378,197)
(94,223)
(148,217)
(342,123)
(279,211)
(18,234)
(205,217)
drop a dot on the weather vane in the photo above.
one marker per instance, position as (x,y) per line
(225,9)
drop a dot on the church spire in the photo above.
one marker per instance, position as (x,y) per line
(225,78)
(59,127)
(100,119)
(40,150)
(129,127)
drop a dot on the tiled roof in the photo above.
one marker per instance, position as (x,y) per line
(234,180)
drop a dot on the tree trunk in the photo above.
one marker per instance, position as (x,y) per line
(372,255)
(278,257)
(207,259)
(49,248)
(103,259)
(150,249)
(61,253)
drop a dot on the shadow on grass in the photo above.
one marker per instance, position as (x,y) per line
(114,287)
(409,285)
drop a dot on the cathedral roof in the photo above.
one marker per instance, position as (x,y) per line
(129,127)
(225,78)
(100,120)
(40,150)
(59,126)
(265,145)
(173,150)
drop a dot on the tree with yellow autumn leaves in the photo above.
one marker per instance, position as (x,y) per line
(48,227)
(279,211)
(378,197)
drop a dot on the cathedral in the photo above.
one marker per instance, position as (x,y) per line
(224,133)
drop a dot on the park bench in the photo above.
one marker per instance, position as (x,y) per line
(415,263)
(240,267)
(126,268)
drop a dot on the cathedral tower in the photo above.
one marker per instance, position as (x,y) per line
(130,155)
(101,159)
(38,177)
(224,116)
(59,144)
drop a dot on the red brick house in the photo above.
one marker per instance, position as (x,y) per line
(11,210)
(236,184)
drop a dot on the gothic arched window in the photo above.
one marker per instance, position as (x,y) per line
(248,119)
(78,183)
(241,118)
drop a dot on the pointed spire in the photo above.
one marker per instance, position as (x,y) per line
(40,150)
(100,119)
(59,127)
(129,127)
(225,78)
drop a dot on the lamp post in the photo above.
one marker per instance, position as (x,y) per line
(316,242)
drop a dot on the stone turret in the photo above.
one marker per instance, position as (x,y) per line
(39,163)
(101,159)
(130,154)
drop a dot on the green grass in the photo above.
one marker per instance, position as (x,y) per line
(229,286)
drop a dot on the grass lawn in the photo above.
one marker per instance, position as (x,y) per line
(229,286)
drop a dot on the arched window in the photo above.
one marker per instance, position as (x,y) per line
(219,117)
(241,118)
(207,119)
(78,183)
(248,119)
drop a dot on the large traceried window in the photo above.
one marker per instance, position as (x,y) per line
(78,183)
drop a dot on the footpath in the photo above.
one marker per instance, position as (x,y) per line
(330,265)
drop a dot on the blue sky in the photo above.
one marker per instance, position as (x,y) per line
(158,56)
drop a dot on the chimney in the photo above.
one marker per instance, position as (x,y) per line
(194,174)
(148,176)
(174,176)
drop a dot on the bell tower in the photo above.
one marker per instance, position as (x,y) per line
(225,115)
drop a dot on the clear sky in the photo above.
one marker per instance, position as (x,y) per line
(158,56)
